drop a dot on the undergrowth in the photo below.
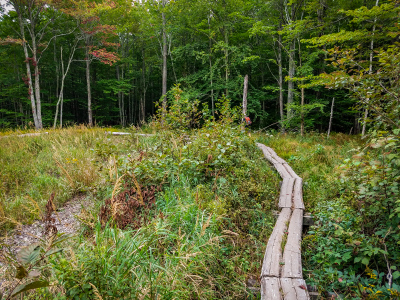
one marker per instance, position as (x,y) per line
(352,252)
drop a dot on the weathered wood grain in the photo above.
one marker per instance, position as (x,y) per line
(298,194)
(292,254)
(271,288)
(285,197)
(294,289)
(281,275)
(273,253)
(267,154)
(290,170)
(282,171)
(275,156)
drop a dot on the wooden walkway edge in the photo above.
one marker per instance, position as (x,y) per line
(281,274)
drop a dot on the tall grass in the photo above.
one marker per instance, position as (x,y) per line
(66,162)
(316,159)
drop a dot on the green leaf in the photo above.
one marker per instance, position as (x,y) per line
(365,261)
(28,254)
(21,272)
(396,275)
(63,237)
(29,286)
(53,251)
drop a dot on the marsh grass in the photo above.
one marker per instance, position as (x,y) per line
(316,159)
(205,235)
(65,162)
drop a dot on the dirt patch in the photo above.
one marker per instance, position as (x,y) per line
(65,222)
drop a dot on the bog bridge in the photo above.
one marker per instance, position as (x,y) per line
(281,274)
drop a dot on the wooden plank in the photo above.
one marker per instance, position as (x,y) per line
(270,288)
(292,254)
(117,133)
(266,153)
(294,289)
(32,134)
(275,156)
(282,171)
(285,197)
(298,194)
(290,170)
(273,252)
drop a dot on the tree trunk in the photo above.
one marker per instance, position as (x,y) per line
(143,100)
(210,63)
(302,112)
(28,73)
(64,73)
(291,75)
(280,81)
(164,55)
(245,85)
(371,57)
(226,62)
(330,118)
(37,75)
(119,97)
(89,90)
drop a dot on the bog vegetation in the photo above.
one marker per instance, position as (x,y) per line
(186,212)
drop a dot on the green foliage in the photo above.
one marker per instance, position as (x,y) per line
(31,266)
(354,247)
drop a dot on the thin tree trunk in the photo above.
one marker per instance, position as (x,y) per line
(291,75)
(119,96)
(143,102)
(37,76)
(64,73)
(330,118)
(89,90)
(302,112)
(210,62)
(280,81)
(371,57)
(226,62)
(28,73)
(123,99)
(245,86)
(164,55)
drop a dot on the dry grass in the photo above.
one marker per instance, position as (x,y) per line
(65,162)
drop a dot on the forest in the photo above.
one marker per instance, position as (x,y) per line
(113,62)
(127,170)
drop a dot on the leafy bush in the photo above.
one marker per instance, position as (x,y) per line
(354,247)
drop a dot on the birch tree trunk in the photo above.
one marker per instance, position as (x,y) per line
(245,86)
(38,125)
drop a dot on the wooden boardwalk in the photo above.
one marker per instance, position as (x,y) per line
(281,274)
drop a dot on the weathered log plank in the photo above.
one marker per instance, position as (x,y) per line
(282,171)
(290,170)
(267,154)
(270,288)
(294,289)
(275,156)
(273,253)
(285,197)
(292,254)
(32,134)
(298,194)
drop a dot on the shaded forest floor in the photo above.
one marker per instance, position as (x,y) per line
(181,214)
